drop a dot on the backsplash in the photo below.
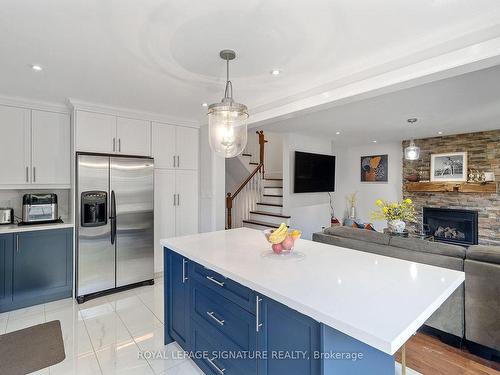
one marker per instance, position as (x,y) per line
(14,199)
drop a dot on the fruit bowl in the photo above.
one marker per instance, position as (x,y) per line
(282,239)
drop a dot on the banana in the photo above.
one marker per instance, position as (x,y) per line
(279,234)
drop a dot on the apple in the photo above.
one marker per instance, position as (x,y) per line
(288,243)
(277,248)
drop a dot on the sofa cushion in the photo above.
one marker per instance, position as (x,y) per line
(359,234)
(484,253)
(425,246)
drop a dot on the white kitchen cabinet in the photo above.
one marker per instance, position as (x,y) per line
(176,207)
(133,136)
(95,132)
(15,145)
(175,147)
(186,220)
(163,141)
(50,148)
(187,147)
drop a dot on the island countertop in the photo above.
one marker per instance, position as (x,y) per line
(378,300)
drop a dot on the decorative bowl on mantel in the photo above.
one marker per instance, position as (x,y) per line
(282,239)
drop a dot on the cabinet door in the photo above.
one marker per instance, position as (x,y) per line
(51,141)
(177,297)
(187,147)
(133,136)
(95,132)
(285,330)
(164,222)
(163,142)
(43,266)
(186,220)
(14,146)
(6,249)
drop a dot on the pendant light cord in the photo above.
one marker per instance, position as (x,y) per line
(229,85)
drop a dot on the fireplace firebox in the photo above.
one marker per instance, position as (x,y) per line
(451,225)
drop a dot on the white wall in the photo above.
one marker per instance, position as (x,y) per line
(212,186)
(309,211)
(348,179)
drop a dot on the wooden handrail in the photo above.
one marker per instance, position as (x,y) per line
(260,167)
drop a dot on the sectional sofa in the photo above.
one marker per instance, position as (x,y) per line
(472,313)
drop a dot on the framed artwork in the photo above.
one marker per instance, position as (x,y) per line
(374,168)
(451,166)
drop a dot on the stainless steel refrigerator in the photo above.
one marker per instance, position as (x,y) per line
(114,204)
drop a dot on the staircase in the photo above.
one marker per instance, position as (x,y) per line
(258,201)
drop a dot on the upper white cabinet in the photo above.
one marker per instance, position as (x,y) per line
(15,145)
(109,134)
(133,136)
(50,157)
(95,132)
(38,147)
(175,147)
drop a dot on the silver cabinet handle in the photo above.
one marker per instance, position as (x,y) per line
(174,199)
(211,314)
(219,370)
(184,277)
(119,145)
(258,324)
(17,243)
(219,283)
(34,174)
(178,199)
(27,174)
(114,144)
(174,160)
(178,161)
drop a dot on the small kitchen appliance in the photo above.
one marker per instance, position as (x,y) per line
(6,216)
(39,208)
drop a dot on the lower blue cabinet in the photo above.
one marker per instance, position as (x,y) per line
(6,247)
(37,267)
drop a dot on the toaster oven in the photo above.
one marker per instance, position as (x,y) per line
(39,208)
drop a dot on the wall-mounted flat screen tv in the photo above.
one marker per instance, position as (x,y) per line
(314,173)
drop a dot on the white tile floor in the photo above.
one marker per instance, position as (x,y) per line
(105,335)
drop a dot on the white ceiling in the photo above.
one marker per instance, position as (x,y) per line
(162,55)
(462,104)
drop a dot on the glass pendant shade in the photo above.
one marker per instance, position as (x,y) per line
(412,152)
(227,126)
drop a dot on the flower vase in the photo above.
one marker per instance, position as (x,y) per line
(396,226)
(352,213)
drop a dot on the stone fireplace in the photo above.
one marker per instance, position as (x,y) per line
(451,225)
(483,155)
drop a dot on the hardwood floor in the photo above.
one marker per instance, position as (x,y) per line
(430,356)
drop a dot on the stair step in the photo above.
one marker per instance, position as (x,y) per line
(273,179)
(273,190)
(256,224)
(270,204)
(274,199)
(275,208)
(272,195)
(253,163)
(247,155)
(271,186)
(266,213)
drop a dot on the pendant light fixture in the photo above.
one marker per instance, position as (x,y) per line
(412,152)
(227,120)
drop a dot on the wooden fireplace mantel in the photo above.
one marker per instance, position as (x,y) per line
(460,187)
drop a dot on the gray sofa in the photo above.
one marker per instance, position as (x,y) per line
(472,311)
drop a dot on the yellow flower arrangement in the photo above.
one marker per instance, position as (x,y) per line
(389,211)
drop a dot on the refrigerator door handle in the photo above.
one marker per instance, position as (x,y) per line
(112,218)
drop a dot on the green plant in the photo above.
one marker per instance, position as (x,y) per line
(351,199)
(389,211)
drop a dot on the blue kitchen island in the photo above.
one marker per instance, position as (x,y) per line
(237,310)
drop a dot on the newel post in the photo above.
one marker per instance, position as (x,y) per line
(262,142)
(229,206)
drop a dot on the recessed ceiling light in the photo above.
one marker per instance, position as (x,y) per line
(36,68)
(204,104)
(374,141)
(275,72)
(337,133)
(440,133)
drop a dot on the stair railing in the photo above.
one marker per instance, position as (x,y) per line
(244,199)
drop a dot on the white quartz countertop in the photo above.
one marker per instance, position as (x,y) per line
(14,228)
(378,300)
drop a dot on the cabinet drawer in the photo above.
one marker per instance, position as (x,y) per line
(212,353)
(225,287)
(237,324)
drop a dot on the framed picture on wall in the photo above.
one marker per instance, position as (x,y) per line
(374,168)
(451,166)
